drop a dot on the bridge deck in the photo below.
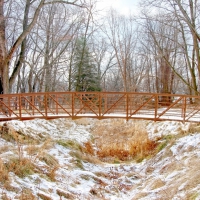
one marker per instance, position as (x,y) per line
(101,105)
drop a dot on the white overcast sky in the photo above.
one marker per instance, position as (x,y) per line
(123,6)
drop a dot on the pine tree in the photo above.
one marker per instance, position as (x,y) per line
(86,77)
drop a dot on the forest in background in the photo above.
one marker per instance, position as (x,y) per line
(60,45)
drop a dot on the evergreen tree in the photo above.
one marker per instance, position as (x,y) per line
(86,76)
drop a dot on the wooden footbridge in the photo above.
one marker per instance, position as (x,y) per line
(100,105)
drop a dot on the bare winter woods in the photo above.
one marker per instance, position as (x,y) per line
(51,45)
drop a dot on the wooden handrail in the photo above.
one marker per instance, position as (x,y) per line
(100,105)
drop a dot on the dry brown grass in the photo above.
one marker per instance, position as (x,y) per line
(32,149)
(122,140)
(194,128)
(52,173)
(48,144)
(21,167)
(44,197)
(49,159)
(9,134)
(26,194)
(4,176)
(157,183)
(6,148)
(186,179)
(39,151)
(65,194)
(88,148)
(139,196)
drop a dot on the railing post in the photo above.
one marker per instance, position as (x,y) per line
(127,106)
(100,104)
(156,107)
(45,104)
(72,104)
(33,103)
(20,105)
(56,104)
(184,109)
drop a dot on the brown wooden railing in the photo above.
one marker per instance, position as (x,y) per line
(100,105)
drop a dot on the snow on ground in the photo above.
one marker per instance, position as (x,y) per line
(63,173)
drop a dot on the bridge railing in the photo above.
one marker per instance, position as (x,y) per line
(151,106)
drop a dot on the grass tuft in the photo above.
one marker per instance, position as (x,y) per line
(9,134)
(21,167)
(49,159)
(69,144)
(43,196)
(66,195)
(4,176)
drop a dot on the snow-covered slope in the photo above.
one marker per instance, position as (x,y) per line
(47,160)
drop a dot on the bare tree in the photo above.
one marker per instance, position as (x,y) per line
(7,54)
(122,35)
(182,17)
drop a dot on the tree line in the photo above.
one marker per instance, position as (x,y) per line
(60,45)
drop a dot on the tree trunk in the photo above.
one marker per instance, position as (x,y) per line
(3,53)
(20,61)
